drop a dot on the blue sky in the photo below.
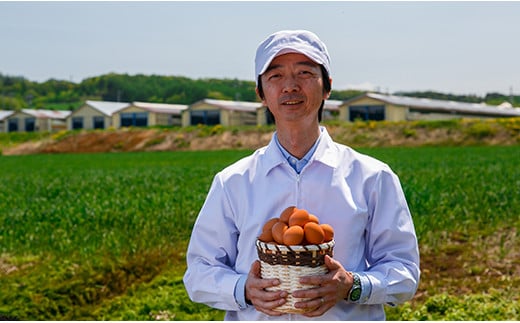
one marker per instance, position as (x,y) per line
(451,47)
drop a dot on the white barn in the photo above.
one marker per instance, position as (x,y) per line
(94,115)
(374,106)
(143,114)
(28,120)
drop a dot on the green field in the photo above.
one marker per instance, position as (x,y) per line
(103,236)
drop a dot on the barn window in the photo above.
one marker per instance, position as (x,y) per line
(207,117)
(77,123)
(30,124)
(136,119)
(13,124)
(98,122)
(367,112)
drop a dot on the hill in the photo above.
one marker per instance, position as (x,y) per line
(17,93)
(358,134)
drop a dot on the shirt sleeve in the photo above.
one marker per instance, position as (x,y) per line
(392,248)
(366,288)
(240,296)
(210,277)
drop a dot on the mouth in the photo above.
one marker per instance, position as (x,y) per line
(292,102)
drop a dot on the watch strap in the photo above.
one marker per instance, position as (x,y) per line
(355,291)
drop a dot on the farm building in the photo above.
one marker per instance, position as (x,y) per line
(373,106)
(28,120)
(143,114)
(226,113)
(3,115)
(331,109)
(94,115)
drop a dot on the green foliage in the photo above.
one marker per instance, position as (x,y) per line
(103,236)
(162,299)
(76,230)
(344,95)
(496,306)
(498,98)
(481,130)
(19,93)
(11,138)
(436,124)
(442,96)
(463,189)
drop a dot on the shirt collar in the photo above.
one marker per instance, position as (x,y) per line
(296,163)
(322,151)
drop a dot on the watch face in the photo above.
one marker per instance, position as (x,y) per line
(355,295)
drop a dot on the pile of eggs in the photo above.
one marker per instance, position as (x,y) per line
(296,227)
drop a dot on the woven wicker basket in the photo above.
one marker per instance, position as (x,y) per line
(288,264)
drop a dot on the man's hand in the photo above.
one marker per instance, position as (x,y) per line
(330,288)
(264,301)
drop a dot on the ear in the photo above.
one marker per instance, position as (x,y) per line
(326,95)
(261,98)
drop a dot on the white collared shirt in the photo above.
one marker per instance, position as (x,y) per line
(358,195)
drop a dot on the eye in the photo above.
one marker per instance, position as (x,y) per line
(306,74)
(274,76)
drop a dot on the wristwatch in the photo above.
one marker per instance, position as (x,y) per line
(355,292)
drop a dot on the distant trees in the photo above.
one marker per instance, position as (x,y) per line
(18,93)
(442,96)
(490,98)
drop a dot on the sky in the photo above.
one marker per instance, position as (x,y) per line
(464,48)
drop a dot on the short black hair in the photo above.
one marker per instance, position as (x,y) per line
(327,87)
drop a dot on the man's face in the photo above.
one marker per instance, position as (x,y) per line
(293,88)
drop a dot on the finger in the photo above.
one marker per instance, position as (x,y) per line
(317,312)
(332,264)
(324,306)
(311,293)
(256,280)
(255,269)
(314,307)
(269,301)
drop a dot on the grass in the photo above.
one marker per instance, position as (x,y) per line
(103,236)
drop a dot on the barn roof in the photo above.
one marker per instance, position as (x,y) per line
(332,104)
(106,107)
(442,105)
(232,105)
(4,114)
(47,114)
(161,107)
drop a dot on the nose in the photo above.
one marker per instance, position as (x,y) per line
(290,84)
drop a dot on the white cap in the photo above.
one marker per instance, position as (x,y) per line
(291,41)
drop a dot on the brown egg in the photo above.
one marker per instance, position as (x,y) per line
(299,217)
(269,224)
(293,235)
(313,233)
(278,231)
(286,214)
(313,218)
(328,231)
(266,236)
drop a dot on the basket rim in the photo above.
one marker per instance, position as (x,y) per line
(310,247)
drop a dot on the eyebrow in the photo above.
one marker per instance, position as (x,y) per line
(304,63)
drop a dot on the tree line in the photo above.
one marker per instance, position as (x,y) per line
(18,93)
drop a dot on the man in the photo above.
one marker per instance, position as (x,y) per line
(376,258)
